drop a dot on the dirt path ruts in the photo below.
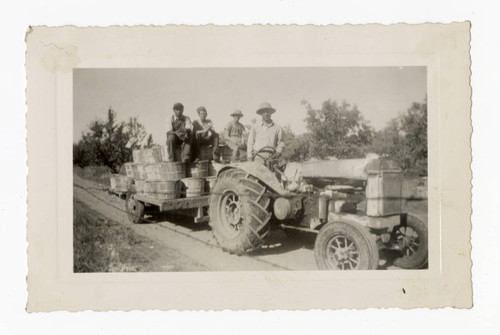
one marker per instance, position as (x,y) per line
(184,246)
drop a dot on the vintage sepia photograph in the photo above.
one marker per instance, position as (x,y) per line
(250,169)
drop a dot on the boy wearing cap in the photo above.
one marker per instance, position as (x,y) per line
(204,134)
(179,129)
(265,133)
(234,135)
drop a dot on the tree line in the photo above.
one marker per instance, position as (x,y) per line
(340,131)
(110,143)
(335,130)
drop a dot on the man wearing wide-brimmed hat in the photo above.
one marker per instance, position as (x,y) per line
(234,135)
(265,133)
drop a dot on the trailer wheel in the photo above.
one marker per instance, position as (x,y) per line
(135,208)
(412,239)
(239,216)
(344,245)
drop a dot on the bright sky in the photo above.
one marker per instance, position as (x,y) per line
(379,92)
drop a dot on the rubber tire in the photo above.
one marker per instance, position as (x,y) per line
(364,241)
(255,226)
(420,258)
(135,215)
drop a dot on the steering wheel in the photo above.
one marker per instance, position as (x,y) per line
(264,150)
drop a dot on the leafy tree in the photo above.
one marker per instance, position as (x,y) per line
(337,130)
(296,146)
(110,143)
(138,137)
(414,128)
(404,139)
(390,141)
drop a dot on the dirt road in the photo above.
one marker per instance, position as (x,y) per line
(175,243)
(181,245)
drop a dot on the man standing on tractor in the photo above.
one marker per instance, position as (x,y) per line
(204,134)
(265,137)
(179,134)
(235,136)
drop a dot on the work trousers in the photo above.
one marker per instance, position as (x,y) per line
(238,153)
(173,141)
(213,140)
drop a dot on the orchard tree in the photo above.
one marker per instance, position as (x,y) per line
(337,130)
(414,129)
(404,139)
(110,143)
(296,146)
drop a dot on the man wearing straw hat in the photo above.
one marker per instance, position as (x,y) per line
(235,136)
(265,133)
(179,134)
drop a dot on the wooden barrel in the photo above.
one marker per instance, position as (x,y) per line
(139,171)
(119,183)
(212,171)
(163,189)
(164,153)
(170,171)
(151,155)
(139,185)
(129,169)
(193,173)
(137,155)
(209,184)
(202,168)
(151,172)
(194,186)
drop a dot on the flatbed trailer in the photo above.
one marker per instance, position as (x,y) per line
(136,203)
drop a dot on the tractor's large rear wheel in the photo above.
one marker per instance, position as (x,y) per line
(239,214)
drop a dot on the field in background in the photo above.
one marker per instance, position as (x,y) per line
(98,174)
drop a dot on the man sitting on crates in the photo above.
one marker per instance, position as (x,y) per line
(205,135)
(179,136)
(265,133)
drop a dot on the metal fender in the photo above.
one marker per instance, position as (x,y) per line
(260,172)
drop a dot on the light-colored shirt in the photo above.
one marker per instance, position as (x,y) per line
(202,126)
(170,122)
(264,135)
(234,129)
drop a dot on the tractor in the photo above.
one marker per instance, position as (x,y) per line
(354,206)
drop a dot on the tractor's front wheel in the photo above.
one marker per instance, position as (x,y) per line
(345,246)
(239,216)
